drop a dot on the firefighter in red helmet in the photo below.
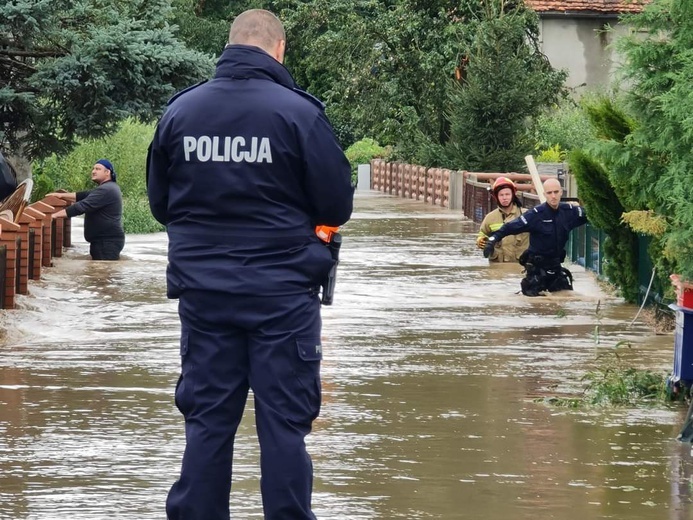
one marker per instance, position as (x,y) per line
(509,208)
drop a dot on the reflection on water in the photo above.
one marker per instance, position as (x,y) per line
(433,366)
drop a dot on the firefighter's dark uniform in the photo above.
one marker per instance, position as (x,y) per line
(241,170)
(549,231)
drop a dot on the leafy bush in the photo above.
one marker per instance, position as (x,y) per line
(137,217)
(361,152)
(615,383)
(604,210)
(564,126)
(647,149)
(553,154)
(127,151)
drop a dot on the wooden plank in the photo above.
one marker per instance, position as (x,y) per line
(536,180)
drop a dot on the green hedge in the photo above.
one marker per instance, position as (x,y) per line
(127,151)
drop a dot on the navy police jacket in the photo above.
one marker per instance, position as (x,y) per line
(548,228)
(240,171)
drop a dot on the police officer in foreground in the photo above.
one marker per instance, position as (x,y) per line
(241,169)
(509,208)
(549,225)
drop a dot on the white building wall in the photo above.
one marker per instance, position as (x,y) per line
(583,46)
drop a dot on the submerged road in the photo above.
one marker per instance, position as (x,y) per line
(434,376)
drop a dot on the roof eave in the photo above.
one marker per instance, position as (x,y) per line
(580,14)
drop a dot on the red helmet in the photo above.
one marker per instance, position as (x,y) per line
(500,183)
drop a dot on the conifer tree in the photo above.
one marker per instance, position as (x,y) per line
(604,209)
(75,69)
(650,159)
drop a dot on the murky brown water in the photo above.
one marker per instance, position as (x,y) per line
(432,370)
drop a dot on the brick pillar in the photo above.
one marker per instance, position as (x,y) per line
(24,222)
(8,238)
(67,233)
(38,225)
(58,239)
(46,249)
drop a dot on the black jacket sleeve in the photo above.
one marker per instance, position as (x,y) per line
(157,179)
(327,180)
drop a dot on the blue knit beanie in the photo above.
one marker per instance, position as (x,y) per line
(107,164)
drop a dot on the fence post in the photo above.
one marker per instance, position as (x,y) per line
(388,177)
(58,237)
(67,232)
(363,179)
(456,190)
(375,174)
(3,263)
(26,224)
(47,235)
(41,221)
(8,238)
(445,188)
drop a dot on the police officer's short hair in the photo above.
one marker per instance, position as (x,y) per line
(257,27)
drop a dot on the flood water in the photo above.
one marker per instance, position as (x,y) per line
(434,378)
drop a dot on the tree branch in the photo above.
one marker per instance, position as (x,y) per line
(16,64)
(32,54)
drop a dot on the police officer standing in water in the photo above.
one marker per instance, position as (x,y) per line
(240,171)
(549,225)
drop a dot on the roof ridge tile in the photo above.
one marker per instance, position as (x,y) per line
(603,6)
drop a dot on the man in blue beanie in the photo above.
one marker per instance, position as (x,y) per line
(102,208)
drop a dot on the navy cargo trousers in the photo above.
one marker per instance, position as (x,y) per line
(230,344)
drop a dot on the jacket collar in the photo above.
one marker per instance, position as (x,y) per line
(246,62)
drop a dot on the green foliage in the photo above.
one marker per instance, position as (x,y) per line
(564,125)
(645,222)
(604,210)
(74,70)
(385,69)
(659,151)
(361,152)
(552,154)
(635,192)
(608,121)
(137,218)
(127,151)
(204,25)
(613,382)
(596,193)
(335,50)
(645,136)
(506,80)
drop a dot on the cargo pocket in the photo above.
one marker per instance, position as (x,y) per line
(185,385)
(307,373)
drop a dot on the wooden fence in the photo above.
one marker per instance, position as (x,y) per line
(29,240)
(453,189)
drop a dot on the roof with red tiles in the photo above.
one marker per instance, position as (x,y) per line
(582,6)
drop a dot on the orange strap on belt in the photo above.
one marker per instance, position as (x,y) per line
(325,232)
